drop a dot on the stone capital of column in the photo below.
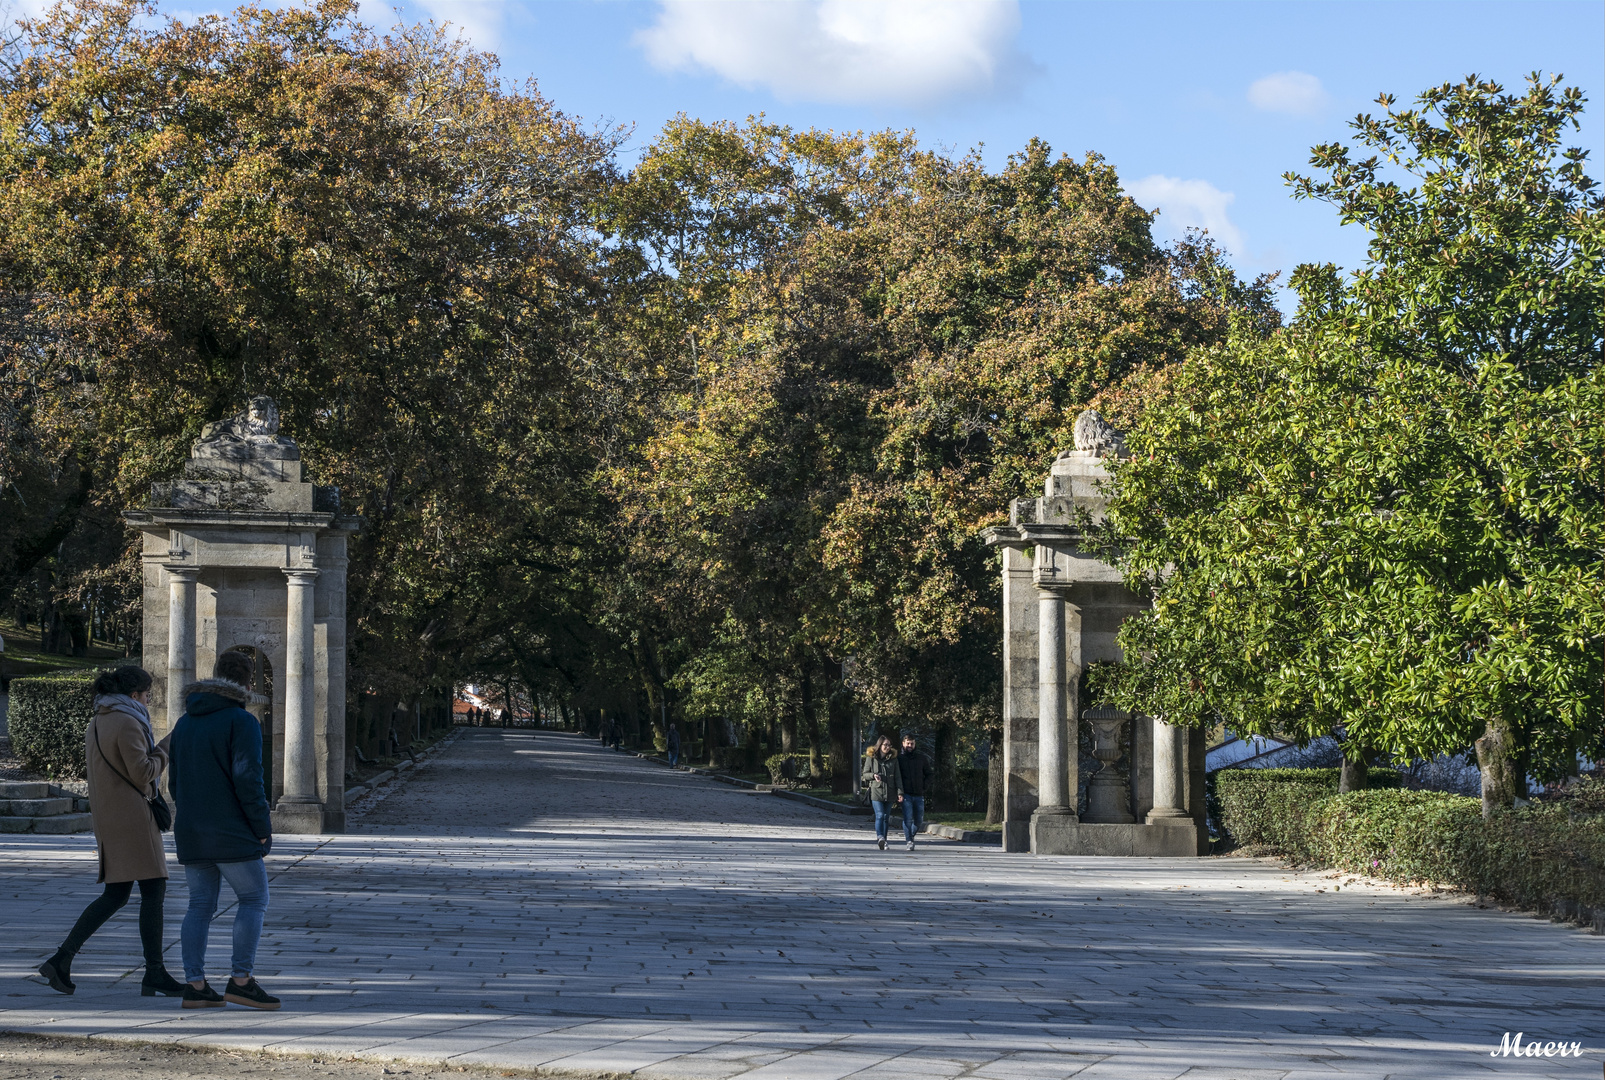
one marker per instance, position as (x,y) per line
(300,575)
(182,571)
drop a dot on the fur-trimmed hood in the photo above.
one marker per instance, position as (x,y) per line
(222,688)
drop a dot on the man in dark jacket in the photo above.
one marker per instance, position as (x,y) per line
(221,827)
(917,776)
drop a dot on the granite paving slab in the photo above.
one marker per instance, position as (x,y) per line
(527,899)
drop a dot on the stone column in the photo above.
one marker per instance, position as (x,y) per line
(1053,764)
(180,636)
(1170,775)
(300,757)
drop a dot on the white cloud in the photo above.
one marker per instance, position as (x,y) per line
(862,51)
(1188,204)
(12,10)
(479,22)
(1288,92)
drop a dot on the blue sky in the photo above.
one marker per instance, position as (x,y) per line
(1200,106)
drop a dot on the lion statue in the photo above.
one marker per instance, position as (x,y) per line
(259,422)
(1096,435)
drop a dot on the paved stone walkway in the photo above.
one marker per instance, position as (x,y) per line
(533,901)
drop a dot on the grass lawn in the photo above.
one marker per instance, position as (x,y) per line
(824,793)
(972,822)
(22,647)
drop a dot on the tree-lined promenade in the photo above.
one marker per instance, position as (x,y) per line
(711,439)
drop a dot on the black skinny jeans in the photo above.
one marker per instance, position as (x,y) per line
(151,893)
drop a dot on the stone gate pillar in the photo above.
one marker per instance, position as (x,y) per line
(180,635)
(300,797)
(1053,760)
(241,552)
(1081,603)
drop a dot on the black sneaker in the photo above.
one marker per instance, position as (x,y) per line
(158,981)
(250,994)
(882,843)
(204,998)
(56,972)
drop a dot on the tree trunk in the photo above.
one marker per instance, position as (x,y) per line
(946,779)
(712,737)
(754,750)
(788,728)
(994,776)
(1496,758)
(1356,775)
(810,715)
(843,759)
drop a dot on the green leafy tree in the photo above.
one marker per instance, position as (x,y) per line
(1390,515)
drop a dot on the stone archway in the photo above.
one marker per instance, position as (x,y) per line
(241,550)
(265,709)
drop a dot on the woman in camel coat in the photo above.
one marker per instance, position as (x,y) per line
(125,768)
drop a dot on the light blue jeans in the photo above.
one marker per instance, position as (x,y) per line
(913,815)
(249,881)
(883,814)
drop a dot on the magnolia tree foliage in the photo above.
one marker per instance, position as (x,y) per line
(1389,515)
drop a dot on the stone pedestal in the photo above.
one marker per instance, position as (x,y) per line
(241,553)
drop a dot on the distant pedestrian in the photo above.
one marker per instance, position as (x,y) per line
(674,745)
(917,772)
(885,783)
(125,766)
(223,830)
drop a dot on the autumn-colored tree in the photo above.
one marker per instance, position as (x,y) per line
(876,348)
(371,229)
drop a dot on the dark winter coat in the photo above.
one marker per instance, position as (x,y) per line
(220,807)
(883,777)
(917,772)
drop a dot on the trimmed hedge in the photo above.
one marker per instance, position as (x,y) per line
(48,717)
(1547,857)
(786,768)
(1267,807)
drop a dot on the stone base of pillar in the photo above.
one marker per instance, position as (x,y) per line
(307,819)
(1016,836)
(1066,836)
(1051,830)
(1168,816)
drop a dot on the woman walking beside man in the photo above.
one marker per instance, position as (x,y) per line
(885,782)
(125,767)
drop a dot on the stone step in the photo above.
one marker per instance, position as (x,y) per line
(24,789)
(36,807)
(62,823)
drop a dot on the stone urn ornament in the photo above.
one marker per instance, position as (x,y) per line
(1107,800)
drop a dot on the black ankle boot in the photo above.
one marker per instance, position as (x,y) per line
(158,981)
(58,972)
